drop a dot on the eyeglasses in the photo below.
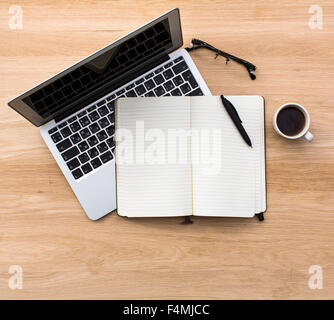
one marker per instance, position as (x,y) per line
(197,44)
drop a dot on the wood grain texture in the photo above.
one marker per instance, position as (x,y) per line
(64,255)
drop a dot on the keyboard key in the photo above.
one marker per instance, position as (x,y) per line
(62,146)
(159,70)
(176,92)
(178,80)
(66,132)
(159,79)
(169,85)
(92,141)
(111,117)
(167,94)
(168,65)
(111,106)
(102,147)
(73,164)
(180,67)
(131,94)
(140,90)
(70,153)
(193,83)
(150,75)
(130,86)
(83,146)
(96,163)
(94,116)
(103,111)
(101,103)
(159,91)
(90,109)
(62,125)
(53,130)
(94,127)
(111,142)
(110,130)
(168,74)
(150,94)
(149,84)
(187,76)
(112,97)
(107,156)
(120,92)
(75,126)
(178,59)
(77,174)
(102,135)
(196,92)
(85,133)
(82,113)
(86,168)
(185,88)
(75,138)
(83,157)
(103,122)
(93,153)
(56,137)
(141,80)
(72,119)
(84,121)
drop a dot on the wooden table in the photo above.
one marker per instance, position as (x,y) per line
(64,255)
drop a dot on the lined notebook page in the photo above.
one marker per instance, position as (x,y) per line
(256,123)
(159,190)
(259,147)
(230,185)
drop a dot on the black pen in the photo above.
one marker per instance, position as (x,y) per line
(236,119)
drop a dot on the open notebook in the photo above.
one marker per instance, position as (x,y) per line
(180,156)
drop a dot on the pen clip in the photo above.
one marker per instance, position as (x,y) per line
(232,107)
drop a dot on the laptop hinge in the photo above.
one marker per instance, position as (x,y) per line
(109,87)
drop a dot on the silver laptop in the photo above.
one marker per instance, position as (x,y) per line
(75,108)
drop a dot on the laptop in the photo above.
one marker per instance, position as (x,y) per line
(75,108)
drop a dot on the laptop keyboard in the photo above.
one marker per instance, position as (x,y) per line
(86,140)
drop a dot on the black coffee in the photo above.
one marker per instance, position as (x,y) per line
(291,121)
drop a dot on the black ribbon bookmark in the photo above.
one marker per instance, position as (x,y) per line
(187,220)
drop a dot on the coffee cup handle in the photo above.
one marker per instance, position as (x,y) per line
(308,136)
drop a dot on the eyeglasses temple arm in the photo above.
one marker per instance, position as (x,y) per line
(196,44)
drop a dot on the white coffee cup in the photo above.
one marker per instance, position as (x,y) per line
(304,133)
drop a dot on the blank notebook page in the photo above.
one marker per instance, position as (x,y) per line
(225,183)
(158,190)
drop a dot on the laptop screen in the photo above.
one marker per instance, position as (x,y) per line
(110,67)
